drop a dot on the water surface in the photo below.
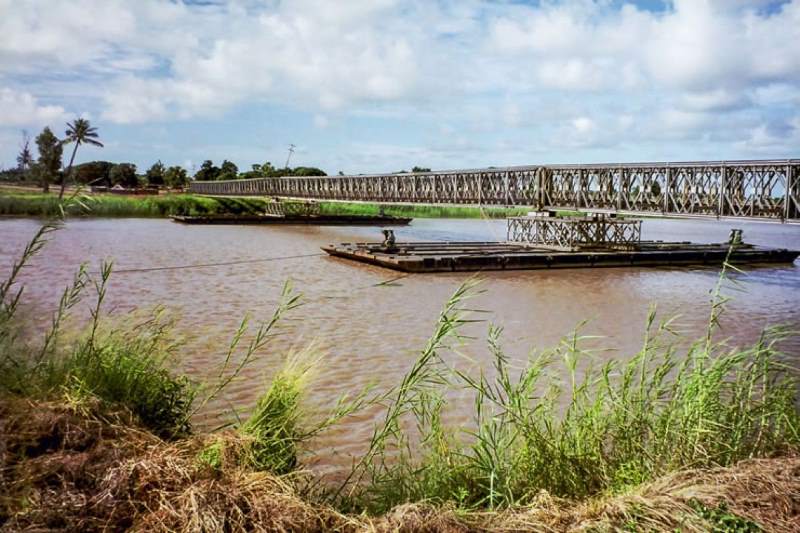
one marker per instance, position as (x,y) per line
(372,331)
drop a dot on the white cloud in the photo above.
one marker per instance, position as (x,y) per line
(714,100)
(698,45)
(764,139)
(23,109)
(325,57)
(581,73)
(583,124)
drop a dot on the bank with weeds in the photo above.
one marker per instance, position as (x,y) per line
(419,211)
(96,432)
(15,203)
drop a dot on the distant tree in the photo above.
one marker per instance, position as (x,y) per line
(93,172)
(308,171)
(124,174)
(420,169)
(176,177)
(208,171)
(255,172)
(155,174)
(25,158)
(341,173)
(11,174)
(49,164)
(270,171)
(228,171)
(267,170)
(78,132)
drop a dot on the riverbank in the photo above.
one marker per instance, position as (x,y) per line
(36,204)
(419,211)
(19,202)
(76,466)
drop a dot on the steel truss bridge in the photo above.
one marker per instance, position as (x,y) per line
(766,190)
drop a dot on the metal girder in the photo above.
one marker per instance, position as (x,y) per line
(755,189)
(573,233)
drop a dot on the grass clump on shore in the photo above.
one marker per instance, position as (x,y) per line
(273,428)
(130,367)
(111,205)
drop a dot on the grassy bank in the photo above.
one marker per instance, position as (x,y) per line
(95,432)
(25,203)
(85,468)
(110,205)
(419,211)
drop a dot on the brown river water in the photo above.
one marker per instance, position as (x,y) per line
(369,332)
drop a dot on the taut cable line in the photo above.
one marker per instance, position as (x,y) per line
(223,263)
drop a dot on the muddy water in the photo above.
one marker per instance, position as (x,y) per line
(371,331)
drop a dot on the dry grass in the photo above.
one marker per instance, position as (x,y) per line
(73,466)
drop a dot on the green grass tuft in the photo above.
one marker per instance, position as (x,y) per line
(211,455)
(723,520)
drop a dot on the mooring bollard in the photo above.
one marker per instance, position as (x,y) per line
(735,236)
(389,242)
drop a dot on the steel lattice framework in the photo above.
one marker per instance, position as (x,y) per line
(754,189)
(574,233)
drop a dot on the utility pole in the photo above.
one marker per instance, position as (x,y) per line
(291,151)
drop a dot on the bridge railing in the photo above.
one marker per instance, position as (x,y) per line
(759,189)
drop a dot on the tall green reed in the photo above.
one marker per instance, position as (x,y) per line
(561,424)
(130,364)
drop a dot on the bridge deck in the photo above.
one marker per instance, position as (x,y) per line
(764,190)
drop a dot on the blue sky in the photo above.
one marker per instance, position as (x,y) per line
(383,85)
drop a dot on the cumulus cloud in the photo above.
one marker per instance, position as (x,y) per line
(23,109)
(696,45)
(325,56)
(582,73)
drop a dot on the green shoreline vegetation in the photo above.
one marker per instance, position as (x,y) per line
(419,211)
(96,432)
(36,204)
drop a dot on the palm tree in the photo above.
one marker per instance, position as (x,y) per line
(79,132)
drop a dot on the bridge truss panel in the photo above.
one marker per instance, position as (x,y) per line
(757,189)
(573,233)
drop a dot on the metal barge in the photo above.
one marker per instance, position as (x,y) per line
(314,220)
(280,212)
(423,257)
(543,240)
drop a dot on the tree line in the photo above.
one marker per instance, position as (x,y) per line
(229,171)
(48,169)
